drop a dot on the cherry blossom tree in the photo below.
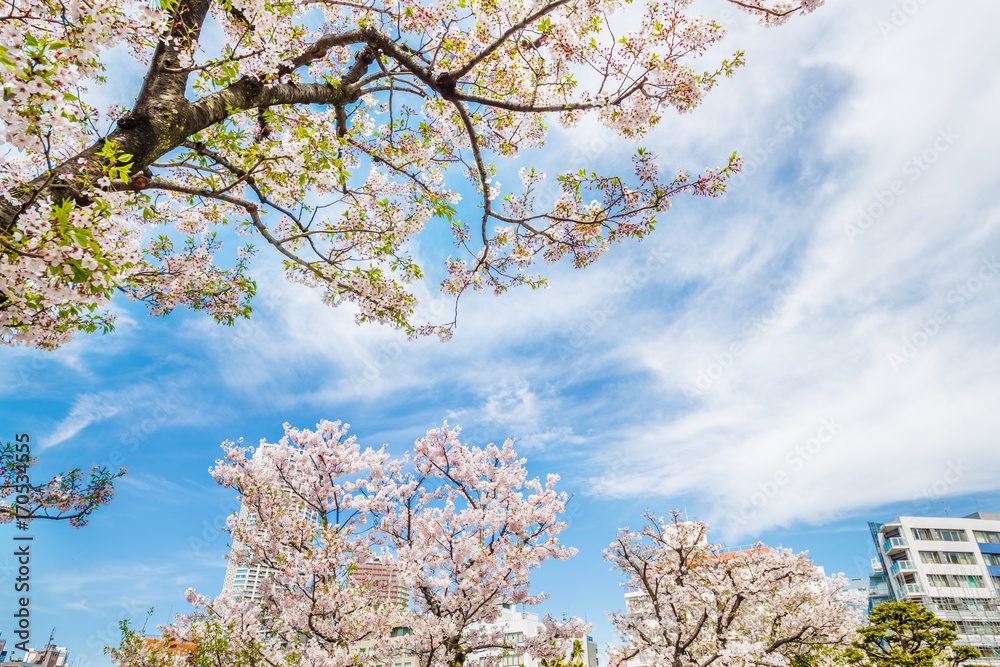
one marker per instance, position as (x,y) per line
(72,495)
(693,605)
(464,526)
(331,132)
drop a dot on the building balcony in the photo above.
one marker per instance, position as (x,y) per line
(893,544)
(903,566)
(912,589)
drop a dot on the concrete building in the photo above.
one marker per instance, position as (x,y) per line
(50,656)
(518,624)
(380,573)
(243,581)
(949,565)
(246,582)
(878,585)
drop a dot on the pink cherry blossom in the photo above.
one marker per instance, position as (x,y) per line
(690,603)
(463,526)
(71,496)
(333,133)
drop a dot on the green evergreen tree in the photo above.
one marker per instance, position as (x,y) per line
(904,634)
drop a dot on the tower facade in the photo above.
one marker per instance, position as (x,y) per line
(950,566)
(381,574)
(243,581)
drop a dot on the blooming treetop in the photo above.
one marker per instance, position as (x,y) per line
(695,606)
(465,525)
(332,131)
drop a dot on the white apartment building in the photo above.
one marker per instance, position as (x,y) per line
(241,580)
(949,565)
(633,599)
(518,624)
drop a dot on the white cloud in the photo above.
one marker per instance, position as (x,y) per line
(159,489)
(87,409)
(874,331)
(829,113)
(141,408)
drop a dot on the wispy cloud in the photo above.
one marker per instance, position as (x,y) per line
(155,488)
(87,409)
(856,367)
(150,407)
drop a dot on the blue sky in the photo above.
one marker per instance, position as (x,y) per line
(816,349)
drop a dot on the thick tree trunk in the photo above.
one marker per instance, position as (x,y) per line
(162,117)
(456,653)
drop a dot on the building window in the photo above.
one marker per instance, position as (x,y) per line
(996,581)
(992,559)
(938,580)
(512,660)
(952,536)
(921,534)
(978,627)
(955,581)
(947,604)
(959,558)
(510,638)
(987,537)
(969,581)
(930,557)
(966,604)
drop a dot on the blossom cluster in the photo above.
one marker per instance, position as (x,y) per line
(462,526)
(462,529)
(393,104)
(694,603)
(72,495)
